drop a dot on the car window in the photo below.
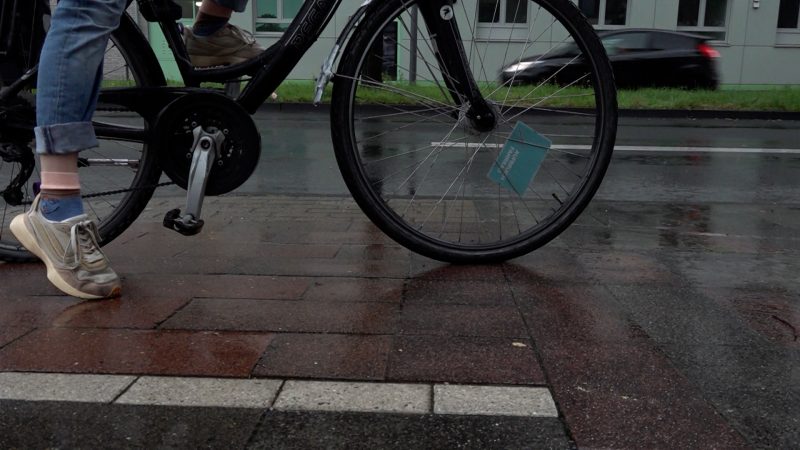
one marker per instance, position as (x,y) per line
(667,41)
(618,44)
(564,51)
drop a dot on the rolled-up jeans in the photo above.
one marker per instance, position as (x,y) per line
(236,5)
(71,70)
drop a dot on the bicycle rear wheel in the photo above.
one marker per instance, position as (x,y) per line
(117,178)
(420,170)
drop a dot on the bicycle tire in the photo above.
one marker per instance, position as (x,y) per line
(143,65)
(356,159)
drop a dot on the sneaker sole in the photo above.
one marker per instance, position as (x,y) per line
(211,61)
(19,228)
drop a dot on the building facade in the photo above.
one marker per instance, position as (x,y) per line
(759,39)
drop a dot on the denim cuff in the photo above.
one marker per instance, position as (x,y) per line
(236,5)
(65,138)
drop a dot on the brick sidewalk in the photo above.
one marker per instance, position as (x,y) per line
(292,287)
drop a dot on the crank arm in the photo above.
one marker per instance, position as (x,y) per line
(205,151)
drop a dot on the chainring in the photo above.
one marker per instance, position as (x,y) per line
(212,111)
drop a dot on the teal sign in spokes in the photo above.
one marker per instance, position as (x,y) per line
(520,159)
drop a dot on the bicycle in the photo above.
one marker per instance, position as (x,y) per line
(438,143)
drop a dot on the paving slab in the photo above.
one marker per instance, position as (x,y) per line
(462,320)
(285,316)
(332,356)
(32,311)
(9,334)
(464,360)
(139,352)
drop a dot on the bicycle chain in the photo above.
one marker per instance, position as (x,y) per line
(118,191)
(122,191)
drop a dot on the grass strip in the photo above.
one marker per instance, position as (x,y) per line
(549,96)
(781,100)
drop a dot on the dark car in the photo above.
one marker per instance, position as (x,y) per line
(640,58)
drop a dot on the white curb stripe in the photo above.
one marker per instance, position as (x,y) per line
(355,396)
(493,401)
(62,387)
(295,395)
(213,392)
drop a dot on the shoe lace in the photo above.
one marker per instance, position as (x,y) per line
(83,244)
(246,36)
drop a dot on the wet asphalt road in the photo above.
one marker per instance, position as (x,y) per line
(304,163)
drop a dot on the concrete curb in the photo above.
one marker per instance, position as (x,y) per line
(281,394)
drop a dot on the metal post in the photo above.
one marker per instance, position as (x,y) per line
(412,64)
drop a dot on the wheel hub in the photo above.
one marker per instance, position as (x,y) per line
(483,119)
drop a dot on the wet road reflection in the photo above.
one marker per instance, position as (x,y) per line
(305,163)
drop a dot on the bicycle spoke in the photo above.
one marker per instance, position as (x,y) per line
(410,95)
(406,153)
(401,113)
(546,98)
(452,184)
(402,127)
(435,149)
(437,169)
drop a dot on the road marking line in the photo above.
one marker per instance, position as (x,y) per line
(635,148)
(295,395)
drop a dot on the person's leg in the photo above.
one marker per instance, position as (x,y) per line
(211,18)
(70,73)
(214,42)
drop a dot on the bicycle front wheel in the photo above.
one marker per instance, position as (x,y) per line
(117,178)
(418,167)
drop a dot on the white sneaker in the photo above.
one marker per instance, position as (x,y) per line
(229,45)
(69,249)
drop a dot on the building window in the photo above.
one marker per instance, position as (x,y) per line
(605,12)
(789,14)
(274,16)
(707,17)
(502,11)
(499,20)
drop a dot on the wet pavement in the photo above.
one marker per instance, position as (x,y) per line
(666,317)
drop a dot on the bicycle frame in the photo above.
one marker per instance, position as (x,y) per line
(276,62)
(273,66)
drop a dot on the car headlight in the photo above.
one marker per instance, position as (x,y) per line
(519,67)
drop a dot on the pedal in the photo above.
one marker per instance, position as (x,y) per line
(186,225)
(205,151)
